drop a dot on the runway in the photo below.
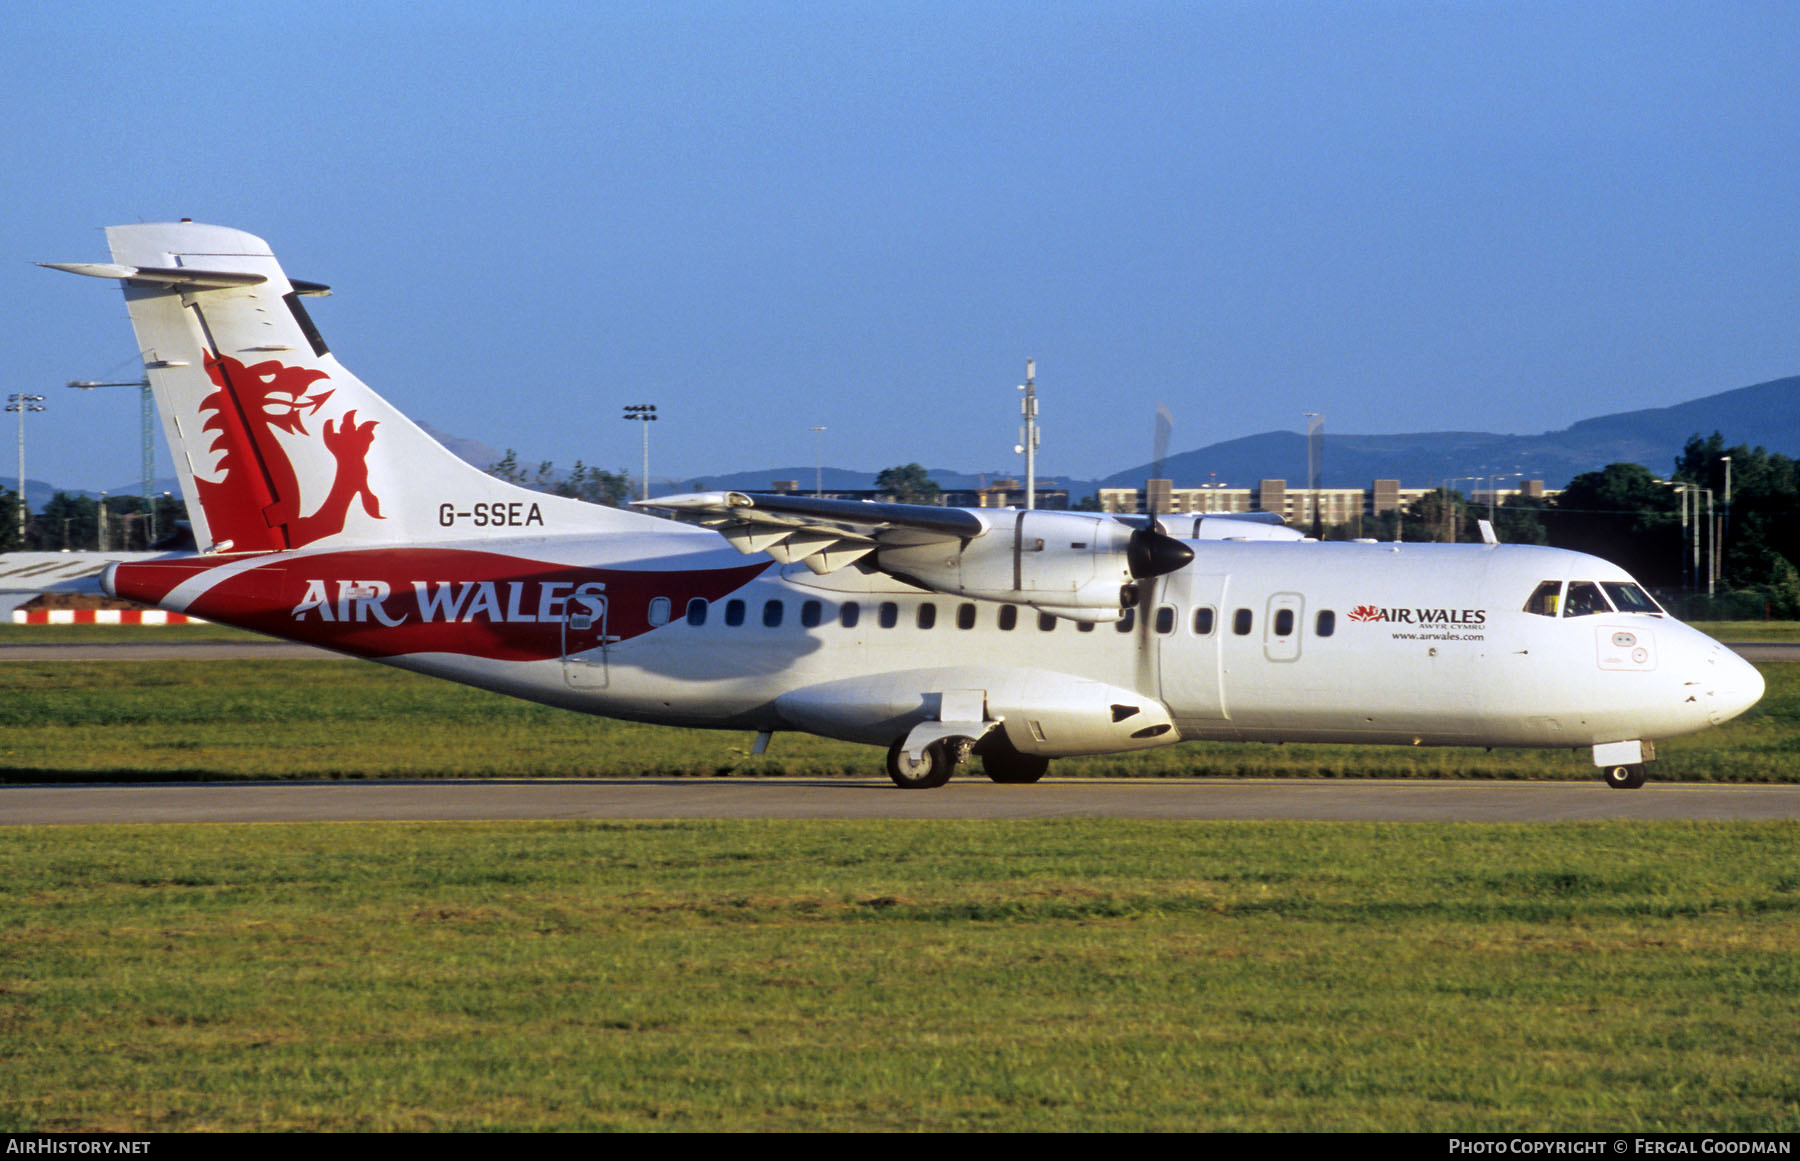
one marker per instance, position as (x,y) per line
(965,798)
(743,798)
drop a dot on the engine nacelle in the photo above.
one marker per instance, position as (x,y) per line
(1069,563)
(1040,711)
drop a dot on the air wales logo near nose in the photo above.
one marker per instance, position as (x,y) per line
(1419,616)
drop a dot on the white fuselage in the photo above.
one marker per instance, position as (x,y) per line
(1273,641)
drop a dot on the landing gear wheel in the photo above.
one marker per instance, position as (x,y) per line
(931,771)
(1013,768)
(1624,777)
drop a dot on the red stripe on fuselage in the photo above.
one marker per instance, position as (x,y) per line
(385,602)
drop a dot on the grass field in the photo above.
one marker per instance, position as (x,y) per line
(1750,630)
(1048,976)
(1063,975)
(62,721)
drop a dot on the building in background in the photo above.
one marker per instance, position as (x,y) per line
(1297,506)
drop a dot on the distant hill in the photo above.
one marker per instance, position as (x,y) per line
(1766,415)
(469,450)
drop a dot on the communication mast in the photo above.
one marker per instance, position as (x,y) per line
(1028,432)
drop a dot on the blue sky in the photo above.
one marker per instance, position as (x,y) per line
(768,217)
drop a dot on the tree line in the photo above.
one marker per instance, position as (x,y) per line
(1622,512)
(1664,532)
(72,523)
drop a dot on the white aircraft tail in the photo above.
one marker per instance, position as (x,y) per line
(278,446)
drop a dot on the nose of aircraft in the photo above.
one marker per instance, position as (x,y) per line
(1732,684)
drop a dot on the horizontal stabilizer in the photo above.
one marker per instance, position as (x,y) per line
(60,572)
(162,275)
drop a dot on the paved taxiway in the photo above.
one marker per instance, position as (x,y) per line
(971,798)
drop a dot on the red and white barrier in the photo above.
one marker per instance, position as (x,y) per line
(101,617)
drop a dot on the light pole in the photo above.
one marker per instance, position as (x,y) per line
(1681,491)
(644,413)
(1450,503)
(1725,518)
(1494,491)
(23,403)
(146,436)
(1691,545)
(818,462)
(1712,541)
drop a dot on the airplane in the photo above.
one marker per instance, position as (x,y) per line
(324,515)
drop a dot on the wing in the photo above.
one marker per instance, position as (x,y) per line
(1071,563)
(824,535)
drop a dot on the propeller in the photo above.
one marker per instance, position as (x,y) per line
(1151,553)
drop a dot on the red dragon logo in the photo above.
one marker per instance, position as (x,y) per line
(1365,613)
(254,504)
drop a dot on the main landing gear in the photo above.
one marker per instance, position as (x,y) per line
(940,759)
(1012,766)
(1624,777)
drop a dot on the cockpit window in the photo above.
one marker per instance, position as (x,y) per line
(1545,599)
(1629,598)
(1585,599)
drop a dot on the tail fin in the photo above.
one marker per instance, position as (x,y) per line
(277,446)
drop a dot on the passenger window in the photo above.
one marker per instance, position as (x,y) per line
(696,612)
(927,615)
(1046,622)
(889,614)
(965,616)
(734,612)
(849,614)
(1584,600)
(772,614)
(1545,599)
(1165,619)
(1241,622)
(811,613)
(659,610)
(1009,617)
(1284,622)
(1124,624)
(1203,621)
(1326,624)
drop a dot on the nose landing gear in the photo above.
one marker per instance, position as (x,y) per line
(1623,777)
(1622,763)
